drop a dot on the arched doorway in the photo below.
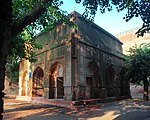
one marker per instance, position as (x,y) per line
(38,82)
(110,81)
(56,81)
(93,81)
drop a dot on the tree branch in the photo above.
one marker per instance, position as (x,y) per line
(30,17)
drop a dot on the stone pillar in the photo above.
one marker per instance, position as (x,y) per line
(24,77)
(46,75)
(29,91)
(55,88)
(118,93)
(46,92)
(20,88)
(46,85)
(68,93)
(103,93)
(68,76)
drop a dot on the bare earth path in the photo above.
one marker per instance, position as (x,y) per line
(131,109)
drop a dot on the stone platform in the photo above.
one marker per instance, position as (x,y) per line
(66,104)
(41,100)
(59,102)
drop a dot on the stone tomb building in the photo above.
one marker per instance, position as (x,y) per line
(75,64)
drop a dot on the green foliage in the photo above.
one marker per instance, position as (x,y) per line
(24,44)
(135,8)
(138,64)
(53,15)
(22,7)
(12,71)
(22,47)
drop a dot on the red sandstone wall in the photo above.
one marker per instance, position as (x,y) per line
(129,39)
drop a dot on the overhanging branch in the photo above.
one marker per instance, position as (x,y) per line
(30,17)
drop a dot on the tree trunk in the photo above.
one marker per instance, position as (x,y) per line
(2,76)
(5,42)
(145,94)
(5,34)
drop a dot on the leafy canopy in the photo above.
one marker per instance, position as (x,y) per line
(135,8)
(138,64)
(52,15)
(12,71)
(24,43)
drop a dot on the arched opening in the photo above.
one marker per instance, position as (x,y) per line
(110,81)
(93,81)
(56,81)
(38,82)
(24,80)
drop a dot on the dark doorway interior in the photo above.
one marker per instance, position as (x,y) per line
(110,82)
(89,85)
(37,86)
(60,87)
(51,87)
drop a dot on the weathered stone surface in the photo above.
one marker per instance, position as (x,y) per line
(79,64)
(129,39)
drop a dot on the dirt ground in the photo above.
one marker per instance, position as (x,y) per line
(130,109)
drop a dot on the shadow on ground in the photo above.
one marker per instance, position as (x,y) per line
(131,109)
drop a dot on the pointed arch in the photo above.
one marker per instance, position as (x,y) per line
(110,75)
(94,68)
(56,81)
(38,82)
(56,69)
(93,80)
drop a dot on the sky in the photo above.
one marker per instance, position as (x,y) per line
(112,22)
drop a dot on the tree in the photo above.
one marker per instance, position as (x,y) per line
(135,8)
(14,21)
(12,70)
(52,15)
(24,41)
(138,67)
(19,16)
